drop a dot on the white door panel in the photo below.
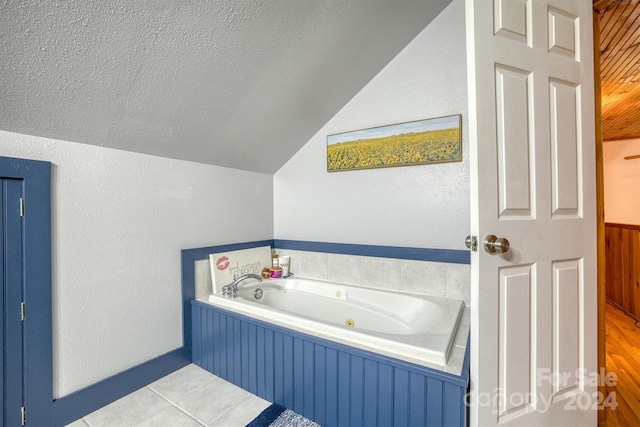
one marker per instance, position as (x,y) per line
(533,182)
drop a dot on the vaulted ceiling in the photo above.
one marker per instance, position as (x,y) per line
(620,67)
(236,83)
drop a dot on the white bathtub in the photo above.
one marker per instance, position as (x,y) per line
(415,328)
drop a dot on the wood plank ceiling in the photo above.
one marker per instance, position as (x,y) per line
(620,67)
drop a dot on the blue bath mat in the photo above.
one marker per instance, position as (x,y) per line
(279,416)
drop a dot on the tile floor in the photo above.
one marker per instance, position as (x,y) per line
(190,396)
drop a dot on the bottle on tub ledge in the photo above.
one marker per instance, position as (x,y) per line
(276,270)
(279,266)
(284,262)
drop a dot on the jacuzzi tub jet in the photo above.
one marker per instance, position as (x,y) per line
(350,323)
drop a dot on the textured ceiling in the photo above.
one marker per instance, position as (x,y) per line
(235,83)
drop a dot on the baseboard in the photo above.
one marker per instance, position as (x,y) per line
(82,402)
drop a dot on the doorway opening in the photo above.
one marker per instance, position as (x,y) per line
(11,297)
(616,48)
(33,179)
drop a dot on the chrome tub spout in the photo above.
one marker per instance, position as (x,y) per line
(231,290)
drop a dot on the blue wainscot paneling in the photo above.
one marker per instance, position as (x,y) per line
(330,383)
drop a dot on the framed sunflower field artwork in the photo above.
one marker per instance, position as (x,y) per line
(420,142)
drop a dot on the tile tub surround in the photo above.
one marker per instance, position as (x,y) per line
(190,396)
(440,279)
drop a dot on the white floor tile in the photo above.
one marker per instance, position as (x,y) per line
(128,411)
(212,400)
(243,413)
(253,403)
(170,416)
(78,423)
(181,382)
(190,397)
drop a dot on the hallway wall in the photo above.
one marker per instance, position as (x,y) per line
(621,182)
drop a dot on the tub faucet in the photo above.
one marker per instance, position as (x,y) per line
(231,290)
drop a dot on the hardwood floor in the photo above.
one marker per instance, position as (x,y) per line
(623,358)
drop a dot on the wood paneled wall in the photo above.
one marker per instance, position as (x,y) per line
(623,266)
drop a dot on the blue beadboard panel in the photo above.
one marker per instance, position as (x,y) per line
(331,383)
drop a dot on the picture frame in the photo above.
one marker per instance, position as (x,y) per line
(420,142)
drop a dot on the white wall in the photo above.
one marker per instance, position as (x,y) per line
(621,182)
(417,206)
(120,220)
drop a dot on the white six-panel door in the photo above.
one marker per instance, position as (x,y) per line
(531,116)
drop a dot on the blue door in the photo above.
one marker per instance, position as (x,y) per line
(11,295)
